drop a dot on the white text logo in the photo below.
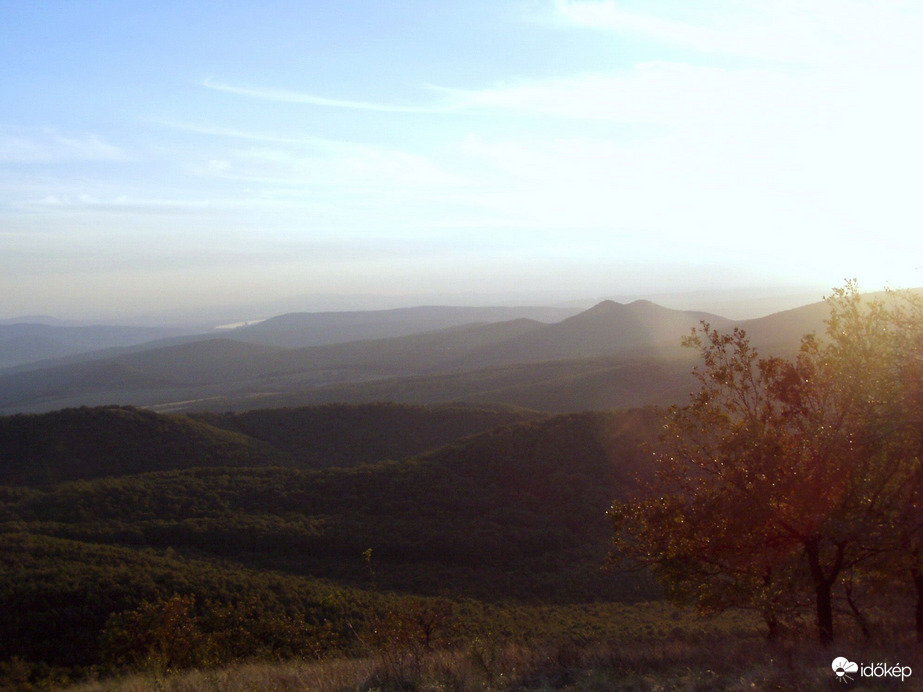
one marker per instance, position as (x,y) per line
(842,667)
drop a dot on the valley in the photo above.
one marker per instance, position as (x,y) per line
(217,501)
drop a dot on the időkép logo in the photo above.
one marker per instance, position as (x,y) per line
(845,670)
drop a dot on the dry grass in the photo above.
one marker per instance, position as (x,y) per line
(733,665)
(332,675)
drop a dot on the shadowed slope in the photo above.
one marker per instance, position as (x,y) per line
(347,435)
(85,443)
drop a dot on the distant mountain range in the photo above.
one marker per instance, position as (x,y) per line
(28,342)
(36,339)
(300,329)
(612,355)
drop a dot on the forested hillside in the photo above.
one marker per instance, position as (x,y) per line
(345,435)
(71,444)
(246,520)
(85,443)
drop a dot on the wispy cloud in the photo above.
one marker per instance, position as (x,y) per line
(288,96)
(653,93)
(122,204)
(298,160)
(234,133)
(740,39)
(50,146)
(346,166)
(788,31)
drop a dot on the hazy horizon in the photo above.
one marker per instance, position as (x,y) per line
(737,304)
(173,158)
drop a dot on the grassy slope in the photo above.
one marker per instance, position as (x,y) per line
(713,661)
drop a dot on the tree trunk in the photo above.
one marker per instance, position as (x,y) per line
(917,574)
(823,585)
(769,610)
(772,627)
(857,614)
(824,613)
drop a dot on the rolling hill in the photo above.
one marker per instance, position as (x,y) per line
(607,329)
(510,362)
(135,508)
(292,532)
(559,386)
(303,329)
(517,510)
(347,435)
(27,342)
(86,443)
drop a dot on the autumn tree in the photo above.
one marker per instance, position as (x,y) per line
(162,636)
(701,526)
(902,407)
(778,475)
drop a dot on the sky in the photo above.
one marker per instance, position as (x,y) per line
(158,155)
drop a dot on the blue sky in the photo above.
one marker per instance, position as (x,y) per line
(157,155)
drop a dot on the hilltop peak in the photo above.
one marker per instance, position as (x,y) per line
(603,307)
(608,307)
